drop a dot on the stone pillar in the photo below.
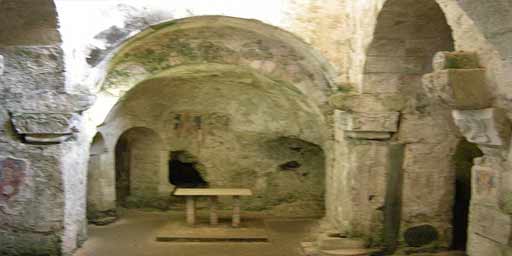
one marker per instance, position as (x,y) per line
(460,83)
(359,191)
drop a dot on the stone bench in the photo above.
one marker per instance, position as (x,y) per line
(212,193)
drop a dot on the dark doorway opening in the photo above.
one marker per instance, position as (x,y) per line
(183,171)
(464,155)
(122,166)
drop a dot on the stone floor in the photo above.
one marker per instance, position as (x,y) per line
(135,232)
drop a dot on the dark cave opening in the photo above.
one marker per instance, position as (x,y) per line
(183,171)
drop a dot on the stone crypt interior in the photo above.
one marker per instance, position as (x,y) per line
(272,127)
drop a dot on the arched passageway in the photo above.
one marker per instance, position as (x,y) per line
(419,200)
(242,129)
(223,89)
(137,167)
(96,175)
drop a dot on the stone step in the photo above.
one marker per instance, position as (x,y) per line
(346,252)
(326,242)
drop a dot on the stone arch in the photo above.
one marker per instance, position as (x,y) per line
(406,37)
(216,39)
(138,164)
(404,43)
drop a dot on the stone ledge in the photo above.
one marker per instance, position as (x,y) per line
(367,102)
(45,127)
(489,127)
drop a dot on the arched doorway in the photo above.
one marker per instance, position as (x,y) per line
(97,203)
(137,167)
(407,35)
(463,158)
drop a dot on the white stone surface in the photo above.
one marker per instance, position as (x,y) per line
(487,126)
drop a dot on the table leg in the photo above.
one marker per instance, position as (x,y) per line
(191,210)
(236,211)
(214,217)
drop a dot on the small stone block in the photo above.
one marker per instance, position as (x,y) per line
(455,60)
(369,122)
(45,123)
(367,102)
(462,89)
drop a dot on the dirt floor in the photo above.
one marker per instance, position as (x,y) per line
(135,234)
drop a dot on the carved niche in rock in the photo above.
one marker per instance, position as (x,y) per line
(45,127)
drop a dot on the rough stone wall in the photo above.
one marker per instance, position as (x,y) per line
(144,147)
(42,204)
